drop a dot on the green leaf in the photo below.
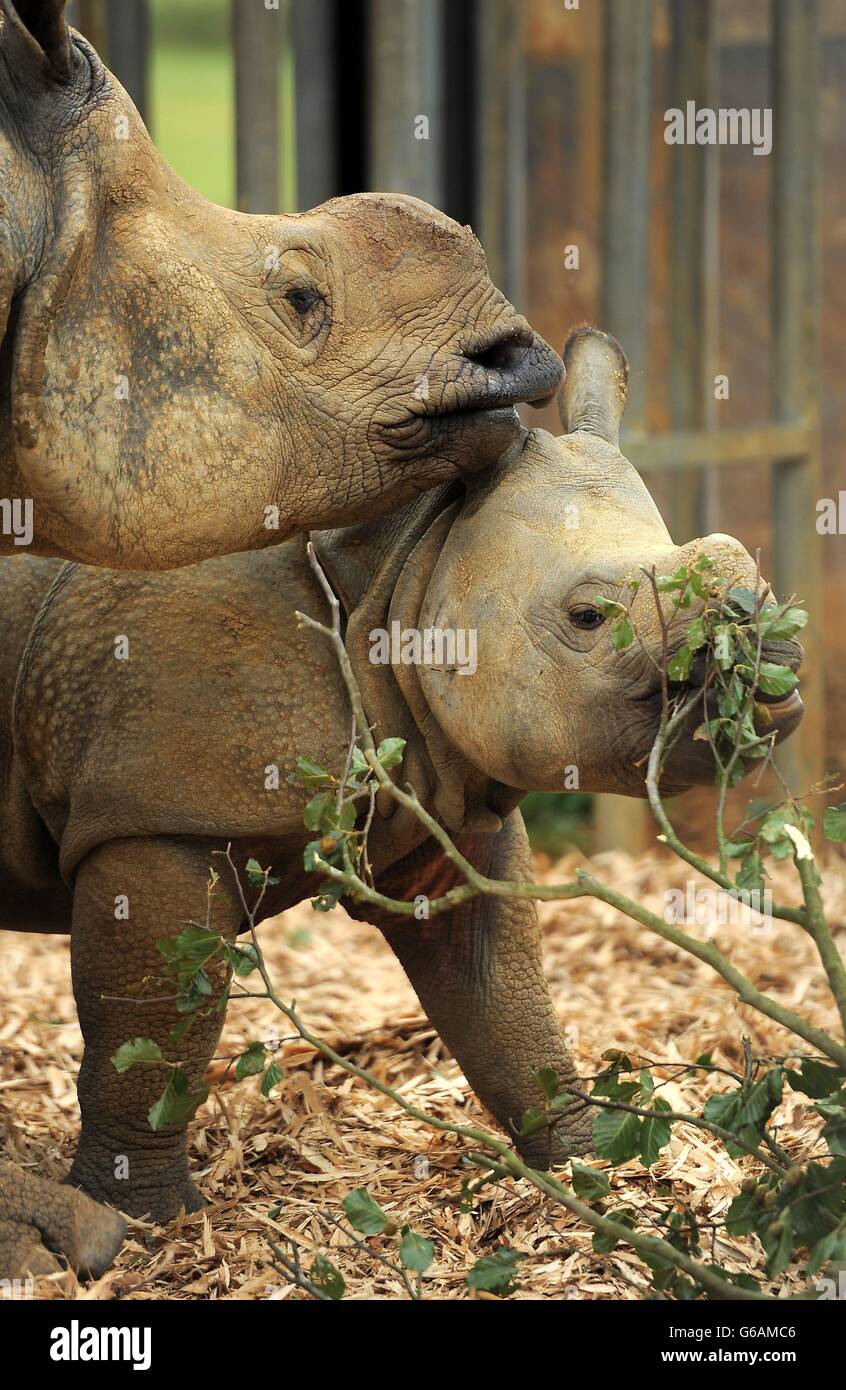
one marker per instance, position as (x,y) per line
(603,1243)
(254,872)
(532,1121)
(622,633)
(654,1135)
(834,822)
(309,772)
(735,849)
(317,810)
(744,599)
(329,896)
(610,607)
(243,959)
(416,1252)
(678,668)
(772,826)
(137,1050)
(696,635)
(548,1082)
(364,1214)
(251,1062)
(745,1214)
(495,1273)
(271,1078)
(781,626)
(830,1250)
(326,1277)
(776,680)
(751,873)
(589,1183)
(779,1248)
(187,952)
(390,752)
(815,1079)
(616,1135)
(177,1103)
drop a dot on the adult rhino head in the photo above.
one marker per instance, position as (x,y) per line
(178,380)
(557,523)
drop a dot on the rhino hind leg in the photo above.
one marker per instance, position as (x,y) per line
(43,1224)
(479,975)
(161,884)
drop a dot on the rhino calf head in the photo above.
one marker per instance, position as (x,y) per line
(178,380)
(556,524)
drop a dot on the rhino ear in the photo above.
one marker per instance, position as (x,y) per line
(35,34)
(592,396)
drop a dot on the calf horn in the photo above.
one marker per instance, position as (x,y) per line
(592,396)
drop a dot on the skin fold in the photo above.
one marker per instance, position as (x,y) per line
(178,380)
(130,776)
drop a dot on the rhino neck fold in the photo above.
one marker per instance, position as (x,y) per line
(381,574)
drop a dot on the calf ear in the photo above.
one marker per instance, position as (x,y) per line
(592,396)
(36,36)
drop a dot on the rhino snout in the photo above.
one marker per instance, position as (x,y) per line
(509,365)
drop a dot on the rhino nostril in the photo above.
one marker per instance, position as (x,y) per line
(502,351)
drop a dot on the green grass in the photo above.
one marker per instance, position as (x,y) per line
(192,120)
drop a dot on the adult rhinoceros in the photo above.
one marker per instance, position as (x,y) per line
(179,381)
(132,764)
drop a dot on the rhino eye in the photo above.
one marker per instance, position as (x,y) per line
(302,298)
(586,617)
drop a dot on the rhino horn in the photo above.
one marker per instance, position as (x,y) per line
(37,34)
(592,396)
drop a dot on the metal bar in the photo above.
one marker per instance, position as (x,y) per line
(744,444)
(500,137)
(796,482)
(256,43)
(406,136)
(694,231)
(618,822)
(129,48)
(318,175)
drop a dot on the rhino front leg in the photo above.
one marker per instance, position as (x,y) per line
(478,974)
(128,896)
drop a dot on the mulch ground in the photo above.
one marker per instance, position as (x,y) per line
(277,1169)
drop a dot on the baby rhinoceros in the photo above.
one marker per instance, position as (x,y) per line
(149,709)
(178,380)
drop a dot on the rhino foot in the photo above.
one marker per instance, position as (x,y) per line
(44,1224)
(153,1188)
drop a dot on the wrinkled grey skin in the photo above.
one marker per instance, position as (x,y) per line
(178,380)
(130,777)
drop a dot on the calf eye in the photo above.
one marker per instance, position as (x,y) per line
(586,617)
(303,297)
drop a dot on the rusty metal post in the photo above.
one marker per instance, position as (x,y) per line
(256,43)
(694,232)
(405,135)
(500,142)
(796,482)
(129,48)
(315,84)
(619,822)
